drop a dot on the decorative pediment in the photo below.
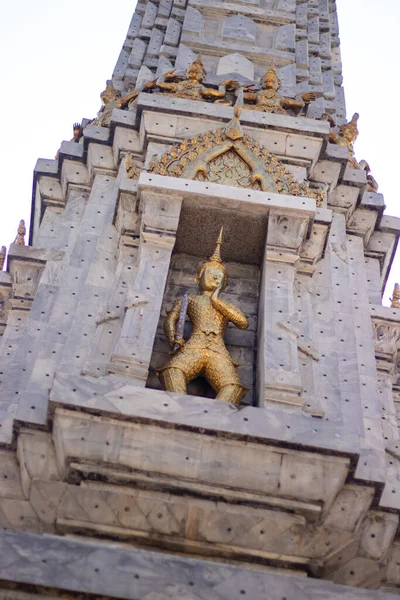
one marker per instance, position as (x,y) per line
(227,156)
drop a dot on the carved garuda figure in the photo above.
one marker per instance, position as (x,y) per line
(269,100)
(348,133)
(190,86)
(205,352)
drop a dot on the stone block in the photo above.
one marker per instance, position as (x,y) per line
(173,33)
(46,166)
(236,63)
(10,477)
(155,43)
(71,150)
(239,28)
(285,38)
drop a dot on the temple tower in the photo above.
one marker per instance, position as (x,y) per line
(190,413)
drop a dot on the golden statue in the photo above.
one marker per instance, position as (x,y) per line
(396,296)
(348,133)
(190,86)
(20,239)
(269,100)
(3,253)
(205,352)
(112,99)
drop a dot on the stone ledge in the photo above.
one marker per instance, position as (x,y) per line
(73,566)
(207,194)
(179,106)
(120,400)
(29,253)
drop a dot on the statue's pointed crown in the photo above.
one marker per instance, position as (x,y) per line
(216,256)
(271,73)
(215,259)
(197,65)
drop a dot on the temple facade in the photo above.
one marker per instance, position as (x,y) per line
(199,384)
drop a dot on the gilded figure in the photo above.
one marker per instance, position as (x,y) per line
(132,169)
(3,253)
(395,300)
(112,98)
(20,239)
(205,352)
(268,99)
(77,133)
(348,133)
(190,86)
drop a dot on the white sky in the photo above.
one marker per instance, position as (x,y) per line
(57,54)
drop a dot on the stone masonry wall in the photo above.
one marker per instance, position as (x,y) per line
(239,40)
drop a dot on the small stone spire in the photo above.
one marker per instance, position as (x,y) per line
(395,300)
(20,239)
(3,253)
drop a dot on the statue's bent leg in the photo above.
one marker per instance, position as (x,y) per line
(221,373)
(232,393)
(173,380)
(181,369)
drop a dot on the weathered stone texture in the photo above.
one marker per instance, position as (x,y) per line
(303,478)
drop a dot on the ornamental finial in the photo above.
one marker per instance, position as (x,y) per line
(20,239)
(395,300)
(3,253)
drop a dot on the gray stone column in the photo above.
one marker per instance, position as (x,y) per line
(278,377)
(133,350)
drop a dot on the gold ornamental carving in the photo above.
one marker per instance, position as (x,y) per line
(205,352)
(347,136)
(132,169)
(112,98)
(190,86)
(227,156)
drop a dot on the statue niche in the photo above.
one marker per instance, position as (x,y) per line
(205,352)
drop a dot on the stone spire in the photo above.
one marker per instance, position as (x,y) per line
(270,439)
